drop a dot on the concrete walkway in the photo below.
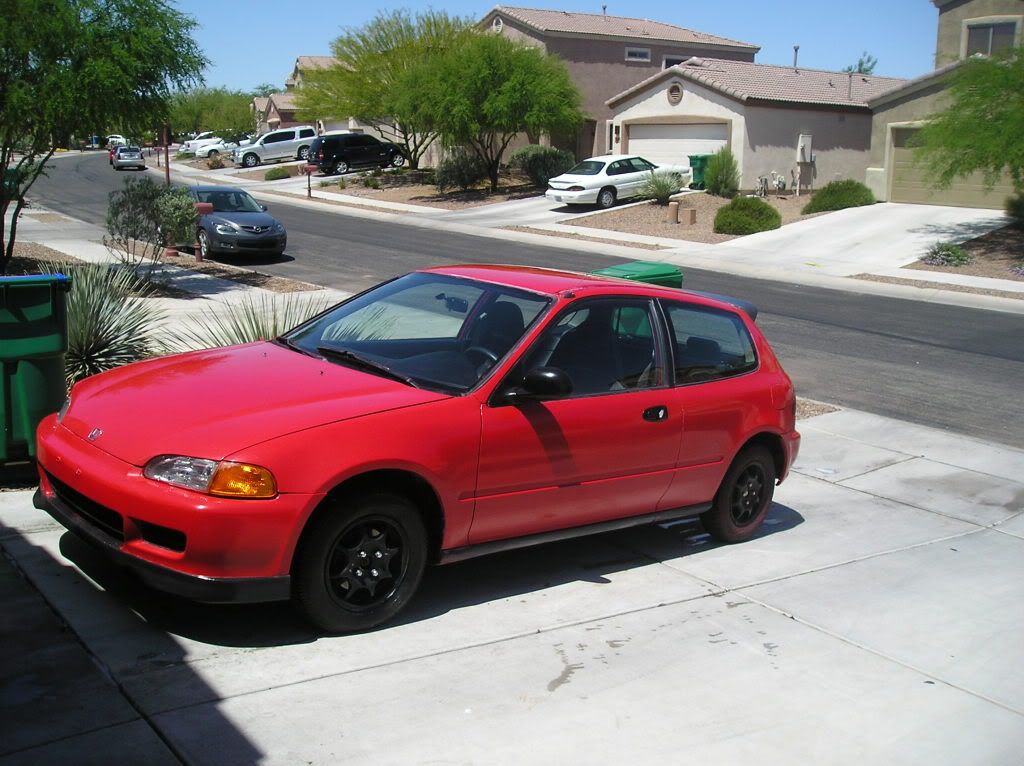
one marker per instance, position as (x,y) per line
(874,620)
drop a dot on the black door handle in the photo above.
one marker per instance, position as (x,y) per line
(656,414)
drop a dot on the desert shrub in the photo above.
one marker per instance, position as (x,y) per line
(133,222)
(176,213)
(371,183)
(839,195)
(661,186)
(342,183)
(1015,209)
(215,162)
(276,174)
(722,175)
(184,155)
(747,215)
(947,254)
(541,163)
(109,324)
(246,321)
(460,169)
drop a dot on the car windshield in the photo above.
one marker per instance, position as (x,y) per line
(586,168)
(230,201)
(431,330)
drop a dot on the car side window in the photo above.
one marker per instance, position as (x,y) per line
(709,344)
(604,346)
(363,140)
(274,138)
(307,133)
(618,168)
(642,166)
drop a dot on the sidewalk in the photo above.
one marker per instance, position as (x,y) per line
(873,620)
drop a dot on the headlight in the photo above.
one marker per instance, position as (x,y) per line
(222,479)
(64,409)
(278,227)
(223,228)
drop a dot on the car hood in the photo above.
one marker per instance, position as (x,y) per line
(212,403)
(241,219)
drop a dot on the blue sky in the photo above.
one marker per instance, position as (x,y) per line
(254,41)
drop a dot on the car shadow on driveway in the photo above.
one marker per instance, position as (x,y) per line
(455,586)
(964,231)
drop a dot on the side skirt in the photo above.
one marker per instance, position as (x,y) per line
(497,546)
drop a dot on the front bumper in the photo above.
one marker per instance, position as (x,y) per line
(197,546)
(244,242)
(587,197)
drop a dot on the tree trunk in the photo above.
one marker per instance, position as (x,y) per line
(492,173)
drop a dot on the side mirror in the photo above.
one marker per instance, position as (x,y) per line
(540,384)
(263,208)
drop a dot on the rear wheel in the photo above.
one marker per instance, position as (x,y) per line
(360,563)
(204,243)
(304,153)
(340,167)
(212,153)
(606,198)
(398,160)
(743,498)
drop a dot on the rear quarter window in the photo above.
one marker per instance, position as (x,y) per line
(708,343)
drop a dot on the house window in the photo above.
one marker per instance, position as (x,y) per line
(638,54)
(988,39)
(670,61)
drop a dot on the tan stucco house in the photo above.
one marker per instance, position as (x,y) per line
(965,28)
(607,54)
(810,124)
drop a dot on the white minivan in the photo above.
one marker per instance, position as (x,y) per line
(282,144)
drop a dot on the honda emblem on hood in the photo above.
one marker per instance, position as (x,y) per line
(95,434)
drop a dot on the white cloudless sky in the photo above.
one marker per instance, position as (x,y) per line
(254,41)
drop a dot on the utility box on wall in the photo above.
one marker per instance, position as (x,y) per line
(804,152)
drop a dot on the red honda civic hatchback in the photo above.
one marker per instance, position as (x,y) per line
(448,413)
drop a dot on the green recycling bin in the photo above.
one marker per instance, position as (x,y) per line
(33,341)
(662,274)
(698,165)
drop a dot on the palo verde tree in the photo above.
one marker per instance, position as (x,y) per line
(381,73)
(491,89)
(226,112)
(982,125)
(865,64)
(72,67)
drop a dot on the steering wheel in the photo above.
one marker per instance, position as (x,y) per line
(485,352)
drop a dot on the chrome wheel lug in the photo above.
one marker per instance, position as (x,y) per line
(377,555)
(374,573)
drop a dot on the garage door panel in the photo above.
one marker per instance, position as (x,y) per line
(910,182)
(673,144)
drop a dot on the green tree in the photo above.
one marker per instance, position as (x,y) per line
(981,128)
(74,67)
(265,89)
(227,112)
(865,64)
(491,89)
(383,68)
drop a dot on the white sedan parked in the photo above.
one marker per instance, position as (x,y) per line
(217,147)
(603,180)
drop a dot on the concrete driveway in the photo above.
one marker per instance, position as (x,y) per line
(531,211)
(876,619)
(856,240)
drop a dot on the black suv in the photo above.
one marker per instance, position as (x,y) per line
(341,153)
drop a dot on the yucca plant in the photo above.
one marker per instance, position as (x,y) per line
(661,186)
(109,322)
(251,319)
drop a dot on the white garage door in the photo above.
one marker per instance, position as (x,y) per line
(672,144)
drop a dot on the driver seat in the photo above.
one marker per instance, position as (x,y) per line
(499,328)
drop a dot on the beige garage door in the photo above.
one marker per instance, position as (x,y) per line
(673,144)
(910,185)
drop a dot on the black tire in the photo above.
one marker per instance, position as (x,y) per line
(303,153)
(340,168)
(744,497)
(250,160)
(332,587)
(606,198)
(212,153)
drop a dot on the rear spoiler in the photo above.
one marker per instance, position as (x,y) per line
(746,307)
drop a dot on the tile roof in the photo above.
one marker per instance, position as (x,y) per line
(260,103)
(284,101)
(601,25)
(306,63)
(768,82)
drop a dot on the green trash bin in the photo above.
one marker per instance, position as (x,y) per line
(33,341)
(698,165)
(662,274)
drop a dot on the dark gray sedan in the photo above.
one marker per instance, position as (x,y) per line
(238,223)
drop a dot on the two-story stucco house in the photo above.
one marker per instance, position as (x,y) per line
(606,54)
(965,28)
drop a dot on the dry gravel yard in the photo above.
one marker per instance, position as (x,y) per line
(649,219)
(995,256)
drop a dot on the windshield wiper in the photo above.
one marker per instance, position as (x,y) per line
(344,355)
(288,343)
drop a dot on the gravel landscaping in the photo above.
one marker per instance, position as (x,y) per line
(423,194)
(995,255)
(28,255)
(649,219)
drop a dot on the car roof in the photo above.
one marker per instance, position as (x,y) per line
(554,282)
(217,187)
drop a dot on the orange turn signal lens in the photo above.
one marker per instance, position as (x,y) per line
(242,480)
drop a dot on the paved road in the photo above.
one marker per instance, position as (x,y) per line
(949,367)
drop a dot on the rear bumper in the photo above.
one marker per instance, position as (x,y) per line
(791,446)
(588,197)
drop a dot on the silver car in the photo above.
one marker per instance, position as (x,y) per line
(128,157)
(284,144)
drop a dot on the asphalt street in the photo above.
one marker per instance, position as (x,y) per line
(949,367)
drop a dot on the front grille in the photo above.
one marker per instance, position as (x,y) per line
(255,229)
(100,516)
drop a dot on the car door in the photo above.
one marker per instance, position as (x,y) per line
(278,144)
(376,151)
(618,173)
(713,391)
(605,451)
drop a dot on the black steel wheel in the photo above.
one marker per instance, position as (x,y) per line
(359,565)
(743,498)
